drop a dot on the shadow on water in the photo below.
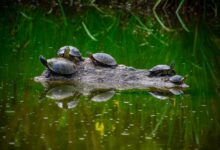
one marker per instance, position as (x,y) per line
(32,118)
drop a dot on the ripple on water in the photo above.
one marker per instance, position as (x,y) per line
(11,143)
(125,133)
(81,138)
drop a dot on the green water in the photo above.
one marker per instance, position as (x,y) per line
(130,119)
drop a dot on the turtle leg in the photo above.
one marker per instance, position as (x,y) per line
(158,74)
(154,74)
(48,74)
(151,74)
(77,59)
(173,72)
(68,76)
(113,67)
(80,59)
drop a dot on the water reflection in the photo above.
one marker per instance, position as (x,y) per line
(68,96)
(102,95)
(161,95)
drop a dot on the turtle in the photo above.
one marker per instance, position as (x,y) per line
(71,53)
(58,66)
(103,59)
(162,70)
(177,79)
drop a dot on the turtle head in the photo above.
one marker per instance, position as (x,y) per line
(185,77)
(89,54)
(67,52)
(43,60)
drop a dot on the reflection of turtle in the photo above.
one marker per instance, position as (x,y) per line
(66,96)
(58,66)
(70,52)
(102,96)
(67,105)
(177,79)
(103,59)
(162,70)
(165,94)
(61,92)
(160,95)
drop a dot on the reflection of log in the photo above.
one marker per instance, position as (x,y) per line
(90,77)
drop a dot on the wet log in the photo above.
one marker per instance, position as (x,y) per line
(89,77)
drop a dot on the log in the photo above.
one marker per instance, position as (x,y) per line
(90,77)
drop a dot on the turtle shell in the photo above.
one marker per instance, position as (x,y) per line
(160,68)
(104,59)
(61,66)
(73,51)
(176,79)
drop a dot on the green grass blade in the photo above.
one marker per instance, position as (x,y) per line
(88,32)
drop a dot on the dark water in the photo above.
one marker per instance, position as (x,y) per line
(129,119)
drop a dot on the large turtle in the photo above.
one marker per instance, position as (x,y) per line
(58,66)
(103,59)
(71,53)
(162,70)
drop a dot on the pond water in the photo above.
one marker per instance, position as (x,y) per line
(127,119)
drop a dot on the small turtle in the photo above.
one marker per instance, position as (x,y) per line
(71,53)
(177,79)
(162,70)
(58,66)
(103,59)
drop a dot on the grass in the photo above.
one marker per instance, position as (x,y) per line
(130,117)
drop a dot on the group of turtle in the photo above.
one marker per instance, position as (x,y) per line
(69,57)
(166,71)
